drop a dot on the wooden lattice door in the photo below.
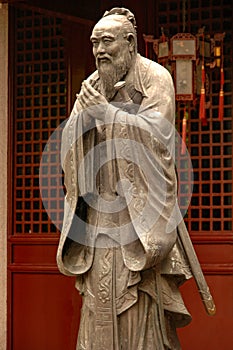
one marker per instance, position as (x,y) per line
(41,301)
(210,215)
(43,305)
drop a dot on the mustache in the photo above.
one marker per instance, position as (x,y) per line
(101,57)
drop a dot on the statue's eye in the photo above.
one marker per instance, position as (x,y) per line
(107,41)
(95,43)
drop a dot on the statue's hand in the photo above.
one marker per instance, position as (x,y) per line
(94,103)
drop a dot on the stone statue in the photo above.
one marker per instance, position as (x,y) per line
(119,235)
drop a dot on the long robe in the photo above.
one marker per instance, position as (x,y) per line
(128,260)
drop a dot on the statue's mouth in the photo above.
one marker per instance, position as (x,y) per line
(103,59)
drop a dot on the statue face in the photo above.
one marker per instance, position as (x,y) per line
(113,49)
(109,43)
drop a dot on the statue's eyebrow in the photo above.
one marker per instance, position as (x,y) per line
(104,36)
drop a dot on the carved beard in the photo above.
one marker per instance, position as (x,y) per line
(111,72)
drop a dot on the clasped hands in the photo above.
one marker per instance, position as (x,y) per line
(92,102)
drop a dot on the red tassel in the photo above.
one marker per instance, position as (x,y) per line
(202,114)
(184,132)
(222,78)
(221,105)
(221,97)
(202,76)
(204,122)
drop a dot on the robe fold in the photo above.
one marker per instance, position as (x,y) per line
(119,233)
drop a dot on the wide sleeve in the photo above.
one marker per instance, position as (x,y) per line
(73,257)
(144,149)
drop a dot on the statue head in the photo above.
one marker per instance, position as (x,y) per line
(128,21)
(114,40)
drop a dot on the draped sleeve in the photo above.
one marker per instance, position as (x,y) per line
(144,151)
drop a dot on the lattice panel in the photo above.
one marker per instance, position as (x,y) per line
(210,146)
(40,106)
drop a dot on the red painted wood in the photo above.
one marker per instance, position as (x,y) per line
(215,254)
(209,332)
(34,254)
(45,312)
(44,306)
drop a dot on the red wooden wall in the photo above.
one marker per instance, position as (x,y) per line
(45,305)
(49,59)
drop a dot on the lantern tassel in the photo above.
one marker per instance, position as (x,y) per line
(202,112)
(184,132)
(221,97)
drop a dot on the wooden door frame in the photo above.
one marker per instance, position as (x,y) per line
(4,170)
(11,241)
(216,267)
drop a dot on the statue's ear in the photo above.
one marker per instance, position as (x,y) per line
(131,40)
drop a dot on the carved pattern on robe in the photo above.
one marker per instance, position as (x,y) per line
(139,197)
(104,283)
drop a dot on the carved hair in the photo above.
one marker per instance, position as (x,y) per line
(123,12)
(129,24)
